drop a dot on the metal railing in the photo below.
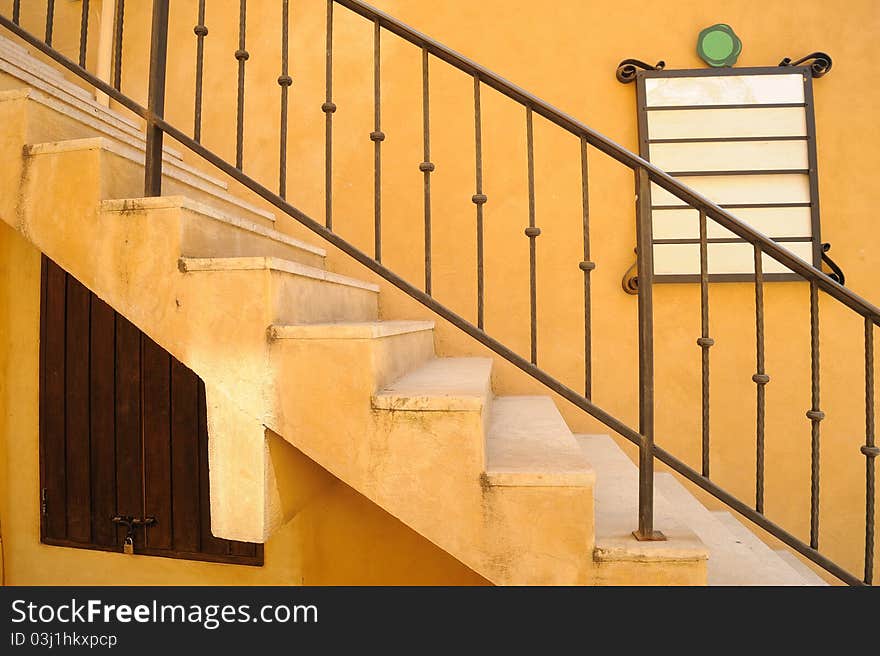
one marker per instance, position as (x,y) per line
(644,174)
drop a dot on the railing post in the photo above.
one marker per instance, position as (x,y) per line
(644,242)
(156,99)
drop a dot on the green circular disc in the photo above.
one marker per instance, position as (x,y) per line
(718,45)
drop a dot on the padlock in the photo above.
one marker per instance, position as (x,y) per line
(128,545)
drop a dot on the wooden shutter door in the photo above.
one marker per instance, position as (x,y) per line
(123,432)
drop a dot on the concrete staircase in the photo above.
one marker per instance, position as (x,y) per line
(288,348)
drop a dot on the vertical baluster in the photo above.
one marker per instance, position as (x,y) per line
(377,137)
(118,29)
(201,31)
(587,266)
(815,415)
(83,33)
(704,342)
(479,199)
(284,81)
(50,20)
(427,167)
(329,108)
(645,250)
(869,450)
(156,98)
(242,56)
(16,12)
(532,233)
(760,379)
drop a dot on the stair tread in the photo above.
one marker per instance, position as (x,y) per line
(184,202)
(808,575)
(616,511)
(196,264)
(179,171)
(440,384)
(749,540)
(349,329)
(529,444)
(733,560)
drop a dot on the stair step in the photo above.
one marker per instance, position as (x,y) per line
(530,445)
(87,124)
(23,69)
(442,384)
(174,173)
(237,237)
(732,560)
(350,330)
(752,542)
(616,511)
(20,62)
(19,52)
(196,264)
(299,293)
(377,352)
(808,575)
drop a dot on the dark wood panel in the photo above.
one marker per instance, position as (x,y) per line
(52,404)
(209,543)
(44,263)
(129,479)
(185,457)
(102,417)
(156,384)
(123,431)
(242,549)
(79,501)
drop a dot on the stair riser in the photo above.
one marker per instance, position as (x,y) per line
(548,533)
(298,299)
(202,236)
(377,361)
(635,573)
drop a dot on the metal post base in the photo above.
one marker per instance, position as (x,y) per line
(653,536)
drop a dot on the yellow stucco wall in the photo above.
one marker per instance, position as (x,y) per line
(566,53)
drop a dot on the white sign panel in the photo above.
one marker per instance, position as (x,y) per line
(744,139)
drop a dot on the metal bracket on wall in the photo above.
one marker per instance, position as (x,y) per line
(820,66)
(630,280)
(628,68)
(836,272)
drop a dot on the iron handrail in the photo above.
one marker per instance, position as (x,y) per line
(645,172)
(621,154)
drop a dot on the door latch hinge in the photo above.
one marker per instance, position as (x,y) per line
(43,503)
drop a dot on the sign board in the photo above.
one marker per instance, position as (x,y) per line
(744,138)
